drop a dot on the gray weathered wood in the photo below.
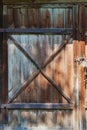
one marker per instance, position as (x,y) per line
(49,106)
(42,72)
(38,31)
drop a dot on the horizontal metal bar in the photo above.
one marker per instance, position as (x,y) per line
(38,30)
(47,106)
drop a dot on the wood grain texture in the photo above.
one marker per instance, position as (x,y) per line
(82,88)
(45,18)
(42,17)
(17,17)
(33,15)
(41,1)
(58,17)
(35,119)
(76,86)
(24,51)
(10,18)
(60,67)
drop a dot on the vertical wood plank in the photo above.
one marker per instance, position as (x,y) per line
(68,89)
(1,68)
(41,82)
(13,71)
(24,17)
(58,73)
(1,59)
(75,22)
(82,88)
(10,47)
(68,18)
(82,49)
(29,42)
(10,19)
(17,17)
(33,15)
(46,87)
(76,87)
(58,18)
(50,88)
(45,17)
(82,22)
(5,18)
(5,71)
(55,17)
(75,55)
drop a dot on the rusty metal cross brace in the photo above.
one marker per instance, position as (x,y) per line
(39,71)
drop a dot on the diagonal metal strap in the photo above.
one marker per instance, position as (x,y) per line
(40,70)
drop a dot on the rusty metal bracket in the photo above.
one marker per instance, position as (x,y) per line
(81,60)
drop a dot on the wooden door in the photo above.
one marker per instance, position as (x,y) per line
(46,86)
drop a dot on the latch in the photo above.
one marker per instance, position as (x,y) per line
(81,60)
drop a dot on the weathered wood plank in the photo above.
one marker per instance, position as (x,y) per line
(82,88)
(68,69)
(14,67)
(75,22)
(58,66)
(57,41)
(45,17)
(34,18)
(5,19)
(58,18)
(82,22)
(76,86)
(10,18)
(24,18)
(48,106)
(38,31)
(68,17)
(41,1)
(5,72)
(39,16)
(30,43)
(17,17)
(46,87)
(37,119)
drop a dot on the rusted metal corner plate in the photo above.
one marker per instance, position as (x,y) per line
(41,1)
